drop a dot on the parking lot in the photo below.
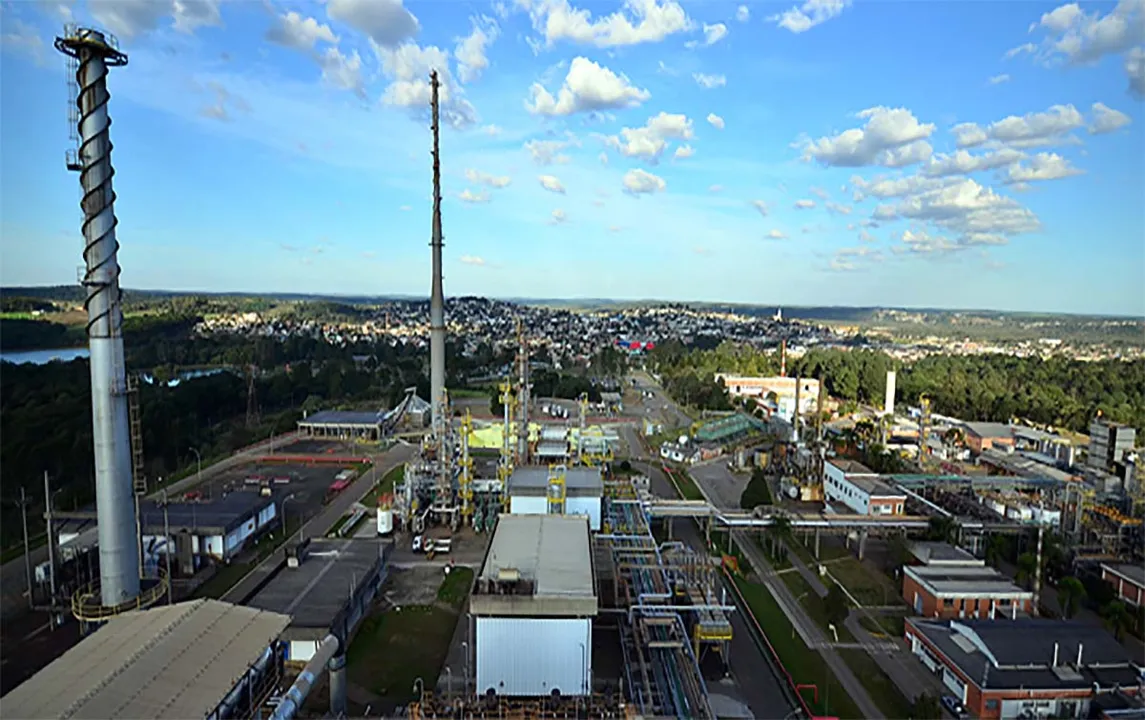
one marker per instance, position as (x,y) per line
(721,485)
(306,482)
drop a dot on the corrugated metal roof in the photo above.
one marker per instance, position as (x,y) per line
(177,662)
(580,478)
(551,550)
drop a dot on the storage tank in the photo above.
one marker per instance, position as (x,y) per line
(385,515)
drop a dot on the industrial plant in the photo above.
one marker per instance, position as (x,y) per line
(583,600)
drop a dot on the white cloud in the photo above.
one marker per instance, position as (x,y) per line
(224,102)
(472,260)
(999,79)
(640,21)
(866,237)
(408,67)
(923,243)
(715,188)
(587,87)
(20,37)
(551,183)
(638,182)
(962,162)
(548,152)
(776,234)
(1106,119)
(712,35)
(131,18)
(559,217)
(819,192)
(811,13)
(342,71)
(848,255)
(387,22)
(1043,166)
(743,14)
(1025,48)
(716,121)
(976,213)
(804,204)
(603,158)
(648,142)
(1135,69)
(837,208)
(761,206)
(709,81)
(1076,37)
(684,151)
(467,195)
(890,137)
(470,50)
(301,33)
(1029,130)
(493,181)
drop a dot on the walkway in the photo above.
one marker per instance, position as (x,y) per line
(893,657)
(808,631)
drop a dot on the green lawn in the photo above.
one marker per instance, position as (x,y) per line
(393,649)
(385,485)
(868,585)
(814,605)
(806,666)
(685,486)
(880,687)
(891,626)
(17,551)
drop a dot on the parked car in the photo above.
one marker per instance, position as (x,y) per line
(954,706)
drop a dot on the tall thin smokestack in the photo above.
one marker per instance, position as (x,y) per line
(437,295)
(783,357)
(115,507)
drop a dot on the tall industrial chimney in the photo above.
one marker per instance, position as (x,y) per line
(115,507)
(437,295)
(889,400)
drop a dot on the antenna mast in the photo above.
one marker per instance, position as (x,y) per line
(437,295)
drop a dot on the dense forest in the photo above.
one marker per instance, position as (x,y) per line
(1058,392)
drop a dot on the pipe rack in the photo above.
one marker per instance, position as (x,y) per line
(659,586)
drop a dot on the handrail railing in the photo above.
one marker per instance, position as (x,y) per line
(91,612)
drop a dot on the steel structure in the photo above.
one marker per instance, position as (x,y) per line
(437,294)
(93,53)
(522,395)
(671,611)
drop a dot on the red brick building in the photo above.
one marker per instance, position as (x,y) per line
(963,591)
(984,435)
(1024,668)
(1128,581)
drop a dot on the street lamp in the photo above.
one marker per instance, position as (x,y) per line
(285,500)
(167,545)
(199,474)
(465,685)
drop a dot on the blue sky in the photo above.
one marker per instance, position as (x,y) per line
(942,154)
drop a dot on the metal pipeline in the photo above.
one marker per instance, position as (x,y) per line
(115,507)
(330,647)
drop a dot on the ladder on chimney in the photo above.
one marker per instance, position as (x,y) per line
(135,418)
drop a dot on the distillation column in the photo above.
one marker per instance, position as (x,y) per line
(115,506)
(437,295)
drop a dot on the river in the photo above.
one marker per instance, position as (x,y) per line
(43,357)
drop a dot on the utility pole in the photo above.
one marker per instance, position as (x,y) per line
(167,545)
(27,548)
(51,547)
(1038,564)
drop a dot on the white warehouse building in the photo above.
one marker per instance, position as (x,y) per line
(859,489)
(533,606)
(537,490)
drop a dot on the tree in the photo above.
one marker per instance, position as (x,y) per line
(997,550)
(1027,565)
(756,492)
(836,605)
(943,528)
(926,707)
(1070,594)
(898,551)
(1117,616)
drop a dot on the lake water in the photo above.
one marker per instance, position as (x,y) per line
(43,357)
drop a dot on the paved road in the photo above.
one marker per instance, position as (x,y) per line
(810,633)
(13,574)
(758,679)
(318,525)
(667,409)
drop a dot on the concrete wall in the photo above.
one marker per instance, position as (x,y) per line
(532,656)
